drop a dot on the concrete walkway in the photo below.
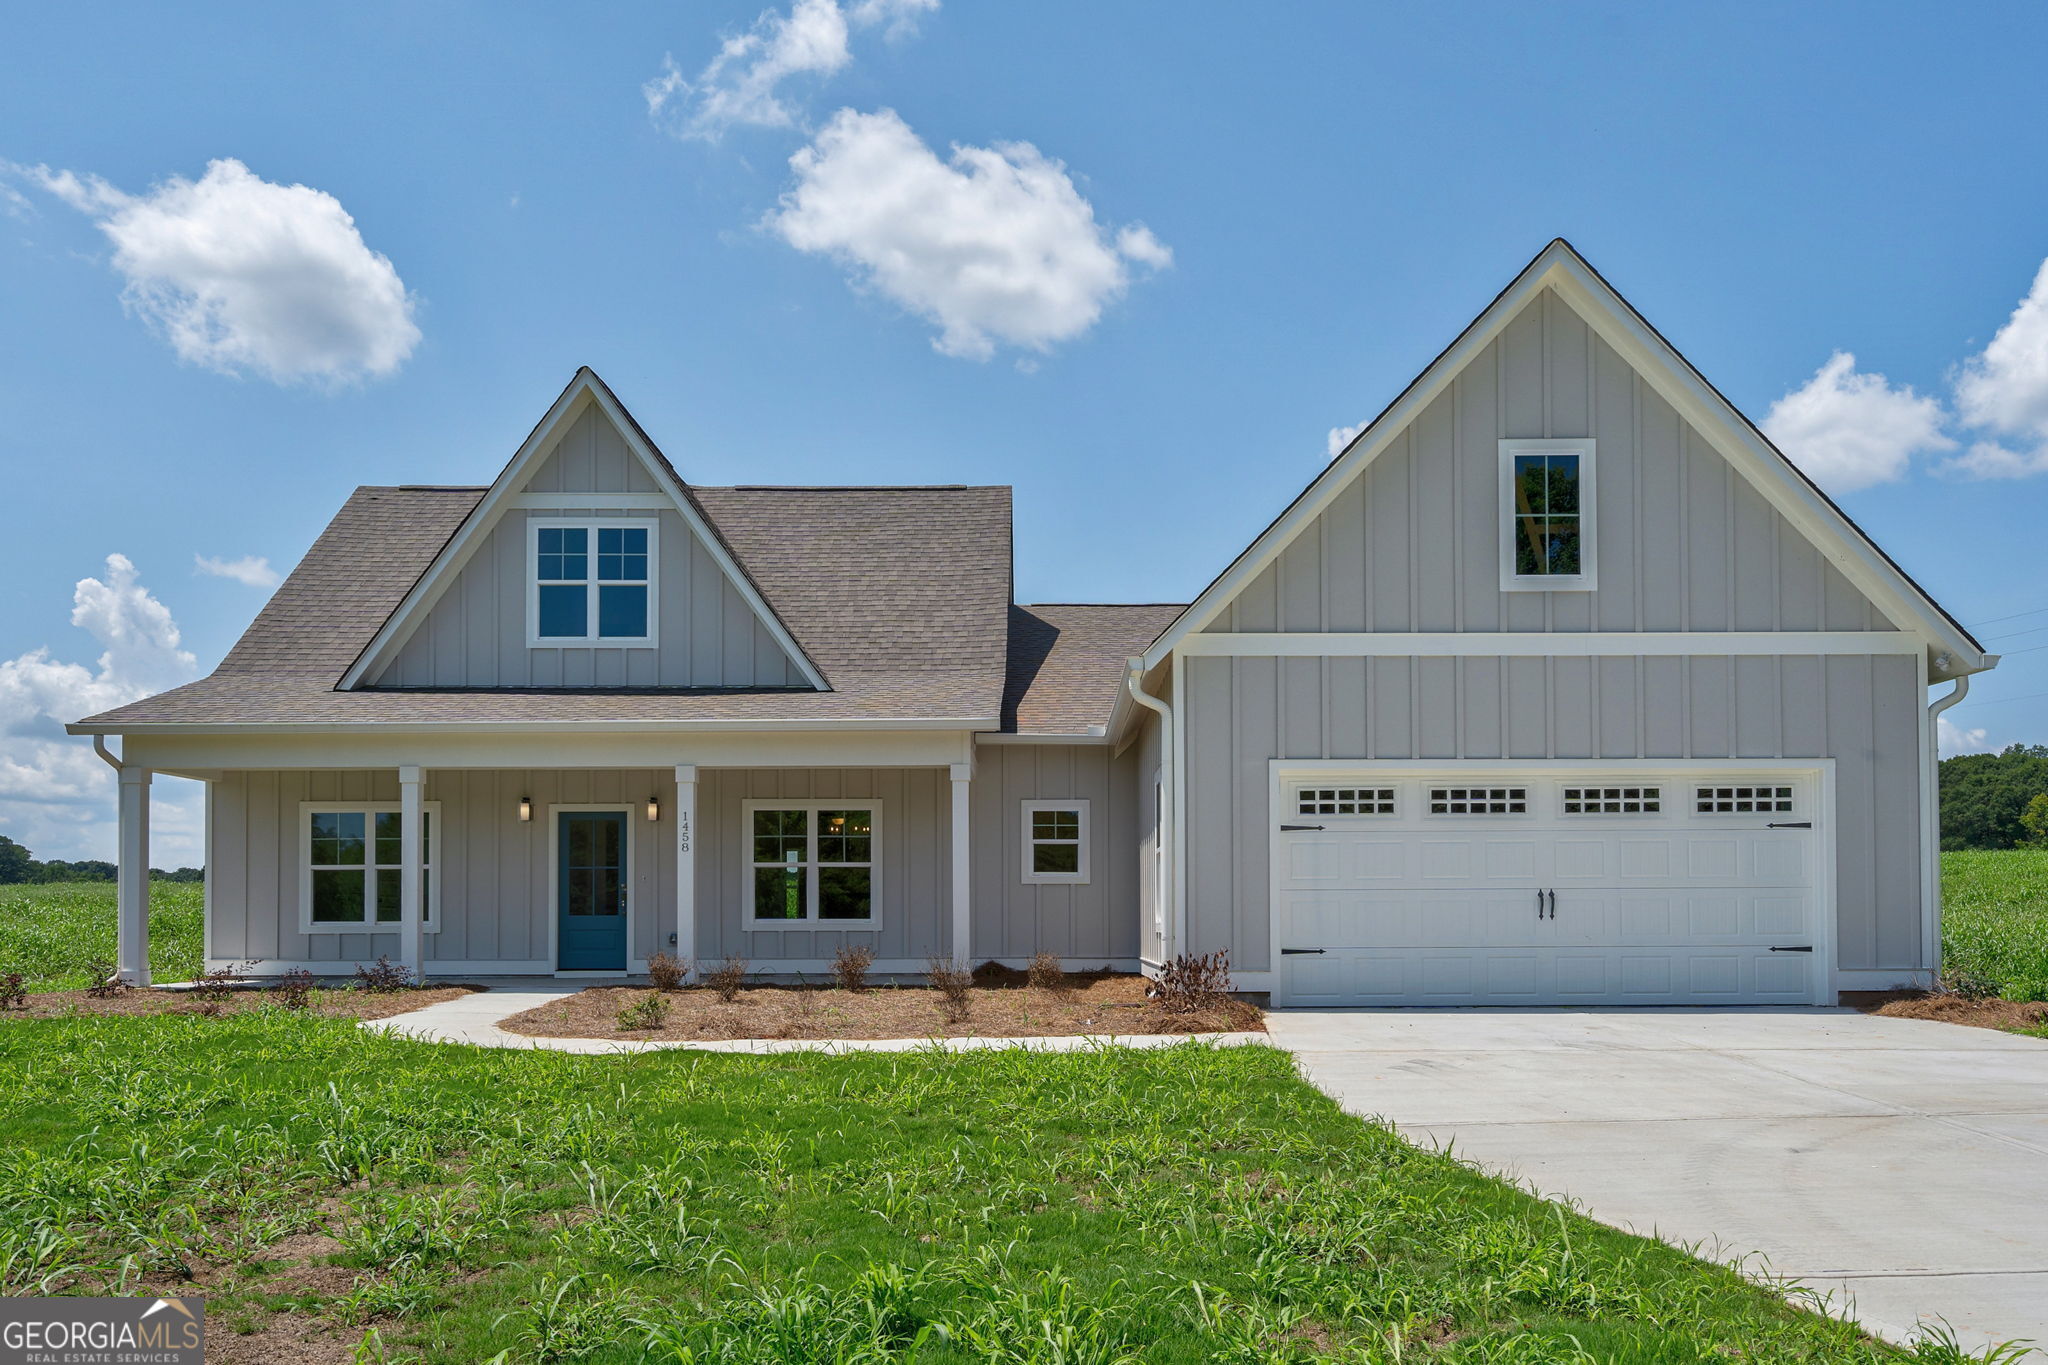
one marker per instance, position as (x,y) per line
(1899,1165)
(474,1019)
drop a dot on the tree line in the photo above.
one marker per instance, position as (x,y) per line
(19,867)
(1996,800)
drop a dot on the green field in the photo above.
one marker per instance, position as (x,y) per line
(1995,919)
(1074,1209)
(51,933)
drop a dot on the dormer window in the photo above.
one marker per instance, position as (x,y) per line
(1546,499)
(590,582)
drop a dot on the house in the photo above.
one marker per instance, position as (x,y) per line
(1559,685)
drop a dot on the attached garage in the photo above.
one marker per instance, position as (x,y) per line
(1631,884)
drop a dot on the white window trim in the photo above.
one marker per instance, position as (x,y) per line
(535,640)
(1589,560)
(810,921)
(308,925)
(1078,878)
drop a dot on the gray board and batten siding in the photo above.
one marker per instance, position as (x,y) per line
(1684,544)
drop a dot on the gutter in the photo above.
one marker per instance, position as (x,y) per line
(1930,824)
(1175,923)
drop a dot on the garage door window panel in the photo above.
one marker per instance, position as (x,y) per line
(1344,801)
(1615,800)
(1742,800)
(1469,801)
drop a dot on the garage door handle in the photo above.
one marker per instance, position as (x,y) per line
(1288,829)
(1807,949)
(1300,952)
(1790,824)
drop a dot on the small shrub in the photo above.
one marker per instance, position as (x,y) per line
(106,978)
(218,986)
(1189,983)
(383,977)
(728,978)
(665,971)
(294,991)
(850,966)
(953,986)
(649,1011)
(1047,974)
(1968,985)
(13,993)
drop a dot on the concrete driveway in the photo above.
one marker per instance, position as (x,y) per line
(1900,1165)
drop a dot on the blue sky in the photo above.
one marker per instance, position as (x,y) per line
(1225,234)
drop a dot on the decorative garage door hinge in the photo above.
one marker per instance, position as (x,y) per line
(1790,824)
(1297,952)
(1286,829)
(1806,948)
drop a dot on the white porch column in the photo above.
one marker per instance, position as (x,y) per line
(132,887)
(411,858)
(686,864)
(963,774)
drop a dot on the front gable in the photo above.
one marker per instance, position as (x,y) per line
(1696,524)
(650,596)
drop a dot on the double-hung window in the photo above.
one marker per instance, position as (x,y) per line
(811,864)
(1546,498)
(591,583)
(350,867)
(1055,841)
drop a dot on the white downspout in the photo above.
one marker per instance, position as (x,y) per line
(1169,822)
(1931,824)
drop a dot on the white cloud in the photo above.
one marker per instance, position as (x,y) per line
(1343,436)
(56,796)
(254,570)
(1954,739)
(994,246)
(740,86)
(2004,388)
(1990,460)
(1850,430)
(242,275)
(900,15)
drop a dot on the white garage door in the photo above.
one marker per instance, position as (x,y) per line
(1599,889)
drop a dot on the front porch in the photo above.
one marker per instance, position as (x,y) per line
(571,871)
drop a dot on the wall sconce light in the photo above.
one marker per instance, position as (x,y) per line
(525,809)
(654,808)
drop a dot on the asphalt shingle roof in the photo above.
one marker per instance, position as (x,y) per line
(1067,662)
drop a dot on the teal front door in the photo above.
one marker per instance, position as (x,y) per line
(591,898)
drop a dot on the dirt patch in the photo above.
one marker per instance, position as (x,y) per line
(331,1003)
(2009,1015)
(1000,1004)
(286,1337)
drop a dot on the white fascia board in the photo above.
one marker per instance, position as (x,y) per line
(585,390)
(1002,737)
(1675,379)
(1544,644)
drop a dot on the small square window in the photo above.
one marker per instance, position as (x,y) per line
(592,584)
(1055,841)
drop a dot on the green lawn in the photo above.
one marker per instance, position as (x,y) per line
(1995,919)
(51,933)
(1183,1205)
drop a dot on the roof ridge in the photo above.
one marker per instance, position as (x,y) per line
(855,488)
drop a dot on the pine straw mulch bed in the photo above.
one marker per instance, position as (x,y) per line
(2009,1015)
(1000,1004)
(331,1003)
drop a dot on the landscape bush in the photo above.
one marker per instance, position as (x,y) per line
(1047,972)
(294,990)
(728,978)
(1189,983)
(667,972)
(850,966)
(955,986)
(384,977)
(648,1012)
